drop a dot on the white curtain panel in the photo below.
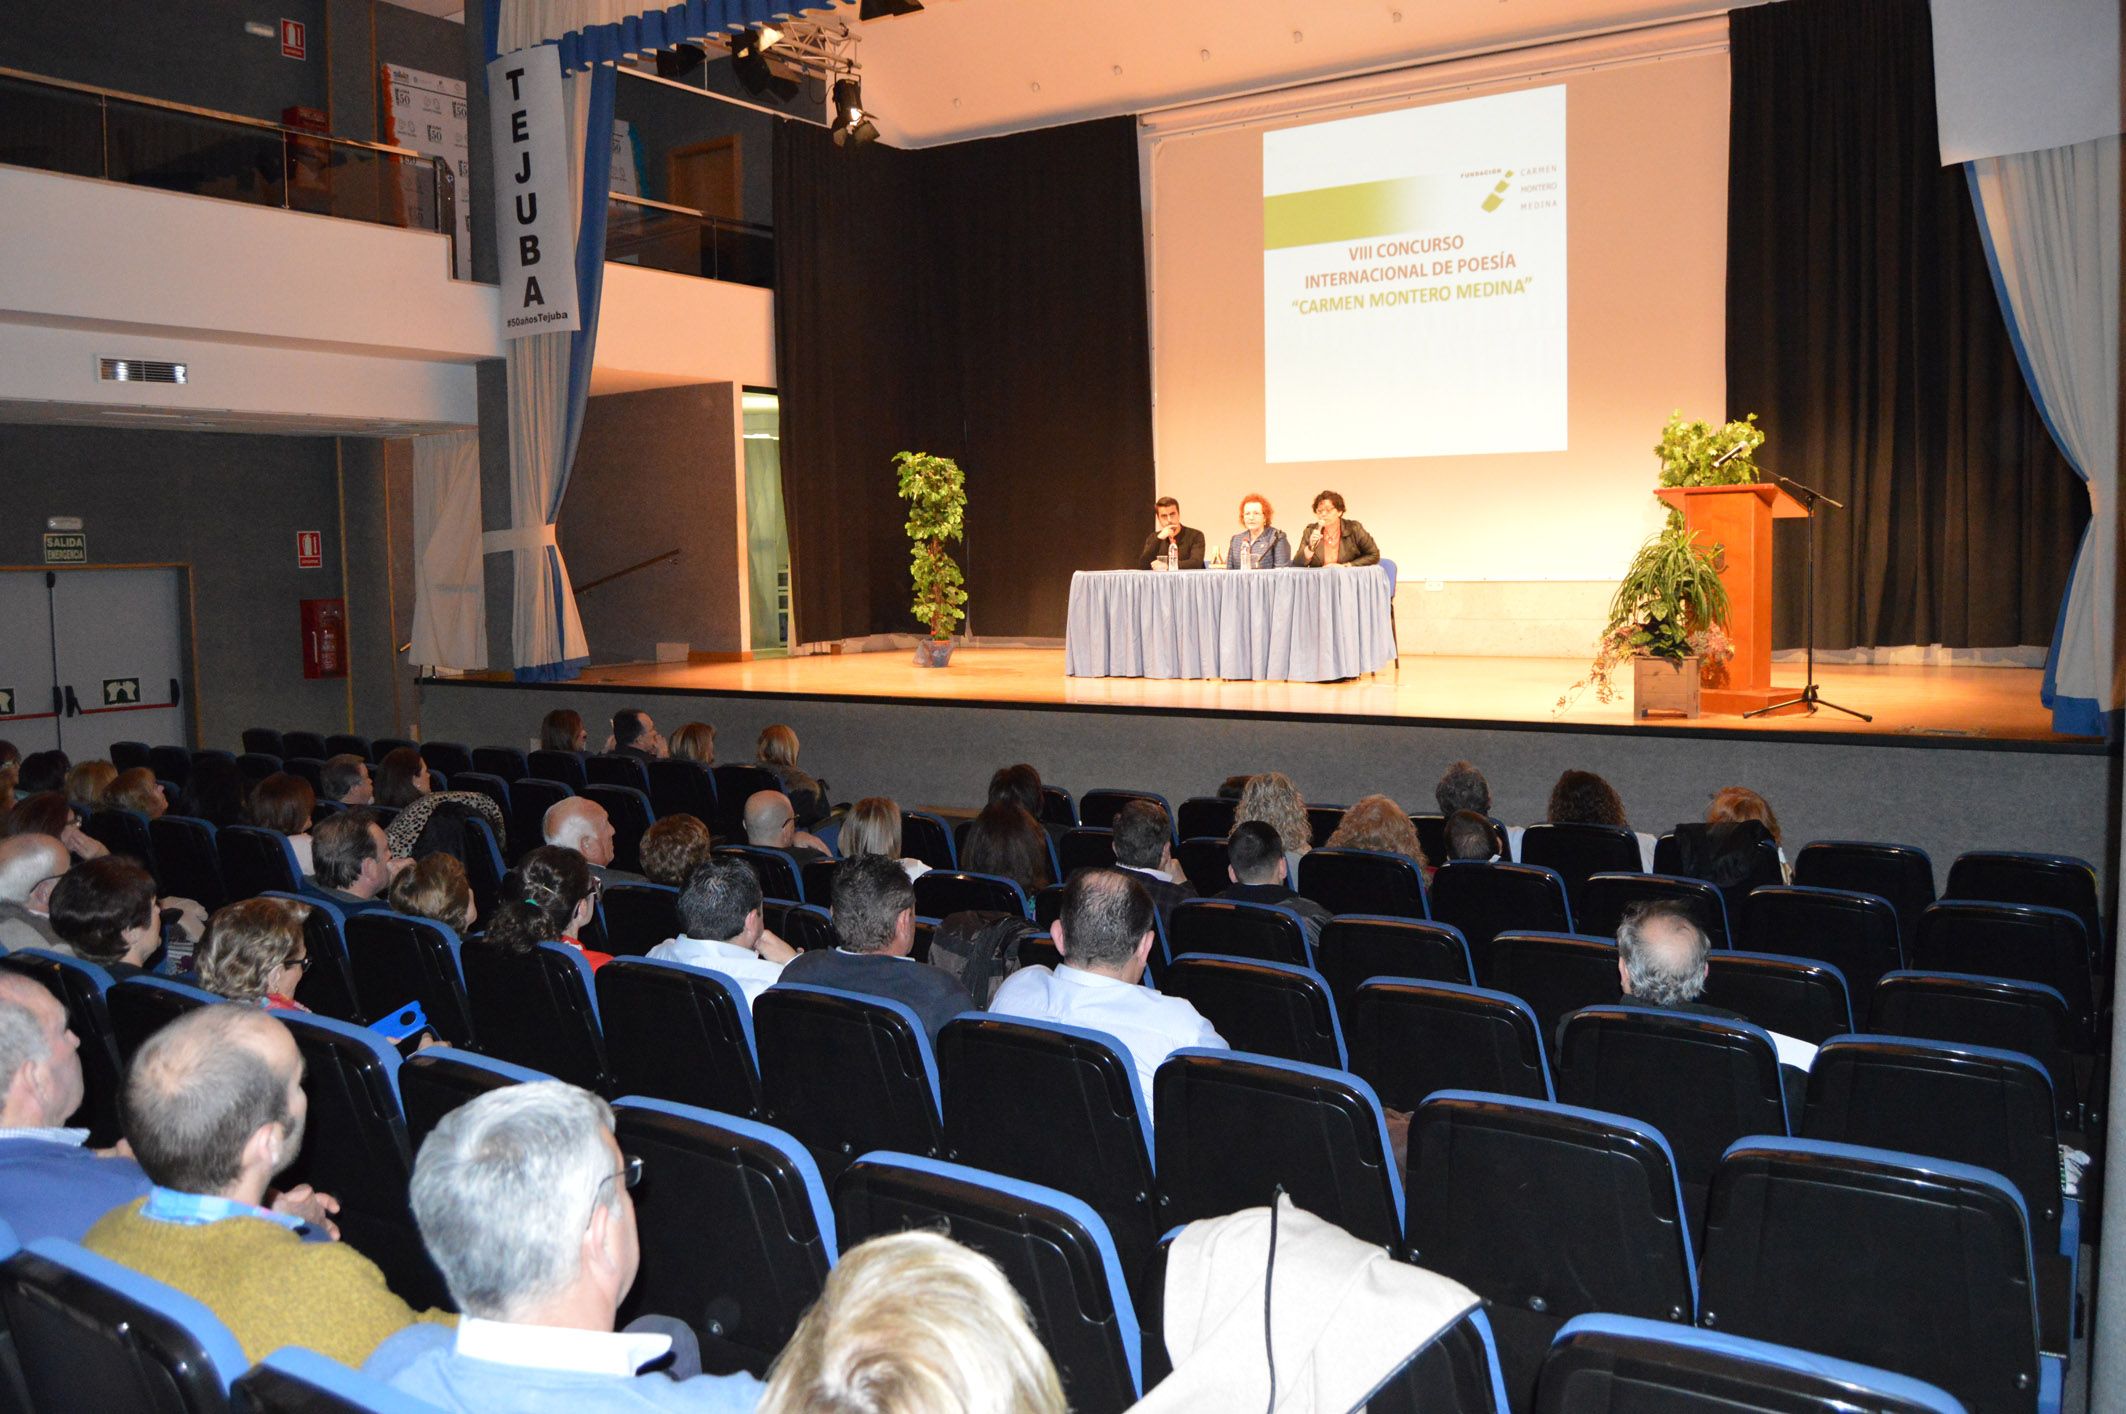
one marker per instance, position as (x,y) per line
(2051,221)
(449,595)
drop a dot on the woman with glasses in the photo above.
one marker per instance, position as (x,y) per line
(254,952)
(550,897)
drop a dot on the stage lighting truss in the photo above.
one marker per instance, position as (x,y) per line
(795,50)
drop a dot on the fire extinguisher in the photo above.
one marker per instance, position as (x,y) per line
(324,638)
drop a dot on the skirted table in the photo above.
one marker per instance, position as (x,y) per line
(1297,625)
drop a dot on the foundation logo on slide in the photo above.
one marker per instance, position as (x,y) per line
(1498,193)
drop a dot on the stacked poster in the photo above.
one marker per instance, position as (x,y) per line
(426,112)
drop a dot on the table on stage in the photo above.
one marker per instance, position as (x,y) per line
(1298,625)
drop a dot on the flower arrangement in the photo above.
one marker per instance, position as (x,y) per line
(1670,604)
(1688,451)
(936,490)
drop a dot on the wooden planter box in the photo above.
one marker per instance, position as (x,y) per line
(1661,687)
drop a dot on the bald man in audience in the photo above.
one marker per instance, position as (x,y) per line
(581,824)
(30,867)
(214,1108)
(51,1183)
(771,823)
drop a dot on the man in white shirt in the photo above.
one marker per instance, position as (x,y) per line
(719,915)
(1105,936)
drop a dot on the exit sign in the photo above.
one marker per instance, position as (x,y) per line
(295,42)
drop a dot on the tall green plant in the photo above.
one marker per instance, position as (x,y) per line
(1671,592)
(936,491)
(1688,450)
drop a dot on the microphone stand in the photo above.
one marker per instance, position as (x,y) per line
(1811,696)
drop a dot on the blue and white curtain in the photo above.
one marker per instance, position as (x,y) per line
(594,32)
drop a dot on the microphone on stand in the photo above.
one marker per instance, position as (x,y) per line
(1729,455)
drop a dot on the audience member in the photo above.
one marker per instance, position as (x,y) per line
(255,953)
(1272,799)
(1233,787)
(42,771)
(771,823)
(522,1200)
(563,730)
(7,781)
(914,1323)
(873,826)
(1144,846)
(1007,839)
(1661,962)
(429,820)
(285,803)
(1469,836)
(673,848)
(1256,863)
(215,792)
(346,779)
(1377,823)
(1733,804)
(874,917)
(776,753)
(136,789)
(352,863)
(695,742)
(86,783)
(580,824)
(721,929)
(1021,785)
(31,866)
(47,813)
(436,887)
(550,897)
(51,1183)
(1463,787)
(106,912)
(1584,798)
(634,734)
(213,1109)
(1106,937)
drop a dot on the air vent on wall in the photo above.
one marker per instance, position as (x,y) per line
(139,370)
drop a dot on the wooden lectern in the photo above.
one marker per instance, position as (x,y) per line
(1738,519)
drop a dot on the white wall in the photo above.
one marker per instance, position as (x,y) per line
(659,330)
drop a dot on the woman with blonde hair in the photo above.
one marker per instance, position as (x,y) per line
(873,826)
(914,1323)
(86,783)
(1379,824)
(254,953)
(1275,801)
(695,742)
(137,790)
(776,753)
(436,887)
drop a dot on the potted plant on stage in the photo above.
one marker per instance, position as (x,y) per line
(1667,621)
(936,491)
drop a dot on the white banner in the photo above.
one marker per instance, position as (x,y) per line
(535,223)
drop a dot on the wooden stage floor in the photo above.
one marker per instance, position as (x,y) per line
(1947,703)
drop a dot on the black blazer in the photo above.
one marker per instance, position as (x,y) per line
(1356,548)
(1187,540)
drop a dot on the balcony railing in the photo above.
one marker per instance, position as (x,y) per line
(60,126)
(660,236)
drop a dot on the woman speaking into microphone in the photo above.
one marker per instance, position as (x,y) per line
(1332,540)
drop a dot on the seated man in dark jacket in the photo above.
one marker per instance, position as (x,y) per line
(1255,863)
(874,919)
(1168,533)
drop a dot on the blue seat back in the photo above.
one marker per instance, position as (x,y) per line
(2027,1017)
(483,863)
(682,788)
(508,762)
(2048,880)
(1486,899)
(613,769)
(639,916)
(328,984)
(349,744)
(2028,942)
(1203,860)
(1609,895)
(679,1033)
(1578,852)
(1363,881)
(563,766)
(737,782)
(123,832)
(310,744)
(1085,848)
(927,837)
(846,1074)
(264,739)
(257,765)
(398,958)
(297,1381)
(1233,928)
(537,1008)
(449,757)
(776,870)
(1856,933)
(1794,996)
(1901,873)
(530,797)
(1357,946)
(1204,815)
(1410,1038)
(1057,807)
(170,763)
(1269,1008)
(805,926)
(494,787)
(1553,972)
(141,1006)
(80,987)
(943,892)
(256,861)
(436,1081)
(1322,821)
(187,862)
(1097,808)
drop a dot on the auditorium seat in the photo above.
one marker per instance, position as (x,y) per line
(1608,1364)
(1048,906)
(310,744)
(495,788)
(1547,1212)
(1409,1039)
(1432,838)
(327,987)
(311,771)
(1702,1081)
(613,769)
(682,788)
(1205,815)
(1085,848)
(1901,873)
(737,1232)
(1609,895)
(530,798)
(1789,1217)
(383,746)
(1058,808)
(1357,946)
(1322,821)
(1487,899)
(629,810)
(1229,1128)
(296,1381)
(255,861)
(2048,880)
(1037,948)
(170,763)
(131,755)
(944,892)
(436,1081)
(1362,881)
(804,926)
(1267,1008)
(537,1008)
(563,766)
(736,783)
(508,762)
(449,757)
(775,869)
(1578,852)
(264,740)
(255,766)
(1203,860)
(1230,928)
(2023,941)
(1554,973)
(846,1074)
(141,1006)
(1793,996)
(398,958)
(92,1334)
(638,917)
(2026,1017)
(1097,808)
(1053,1249)
(1090,1134)
(124,833)
(80,987)
(1743,854)
(349,744)
(482,858)
(679,1033)
(927,837)
(1856,933)
(187,862)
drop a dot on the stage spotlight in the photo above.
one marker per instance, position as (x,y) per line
(679,62)
(880,9)
(749,62)
(852,123)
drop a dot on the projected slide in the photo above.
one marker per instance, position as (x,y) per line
(1413,277)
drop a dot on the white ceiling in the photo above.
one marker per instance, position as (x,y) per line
(441,9)
(970,68)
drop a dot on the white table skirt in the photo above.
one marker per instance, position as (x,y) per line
(1296,625)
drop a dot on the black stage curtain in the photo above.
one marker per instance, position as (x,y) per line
(983,301)
(1862,326)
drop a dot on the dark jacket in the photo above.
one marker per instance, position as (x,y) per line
(1310,913)
(1356,548)
(1165,893)
(1188,540)
(933,994)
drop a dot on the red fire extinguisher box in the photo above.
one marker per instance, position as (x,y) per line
(324,638)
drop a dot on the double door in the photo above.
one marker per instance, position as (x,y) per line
(92,656)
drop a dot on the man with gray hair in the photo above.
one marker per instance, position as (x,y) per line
(582,824)
(522,1198)
(30,868)
(1661,962)
(721,928)
(51,1183)
(874,916)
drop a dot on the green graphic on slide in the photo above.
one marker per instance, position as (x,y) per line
(1498,193)
(1355,212)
